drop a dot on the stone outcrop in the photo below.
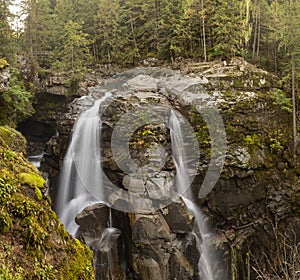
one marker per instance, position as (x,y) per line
(155,249)
(156,245)
(257,194)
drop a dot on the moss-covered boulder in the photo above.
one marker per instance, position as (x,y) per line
(33,242)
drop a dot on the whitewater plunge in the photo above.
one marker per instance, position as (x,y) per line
(81,176)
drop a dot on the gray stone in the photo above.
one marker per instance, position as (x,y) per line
(4,79)
(148,227)
(107,264)
(142,83)
(178,217)
(147,268)
(160,187)
(134,184)
(93,216)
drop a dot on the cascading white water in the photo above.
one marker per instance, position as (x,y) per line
(36,160)
(81,176)
(182,184)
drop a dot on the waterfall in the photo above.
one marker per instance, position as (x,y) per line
(81,176)
(182,181)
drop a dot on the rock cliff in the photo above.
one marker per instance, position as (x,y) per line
(254,206)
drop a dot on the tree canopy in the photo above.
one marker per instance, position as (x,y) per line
(126,32)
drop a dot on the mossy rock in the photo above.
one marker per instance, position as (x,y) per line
(13,138)
(5,222)
(31,180)
(33,242)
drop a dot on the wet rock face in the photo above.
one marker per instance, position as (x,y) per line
(156,245)
(161,252)
(153,249)
(259,179)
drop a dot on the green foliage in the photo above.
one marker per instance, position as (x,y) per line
(227,28)
(278,140)
(275,145)
(44,271)
(281,100)
(5,222)
(74,52)
(7,185)
(7,274)
(7,37)
(253,139)
(16,102)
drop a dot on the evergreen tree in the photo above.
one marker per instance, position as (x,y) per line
(170,29)
(227,28)
(87,12)
(198,22)
(74,52)
(109,38)
(38,34)
(288,34)
(7,43)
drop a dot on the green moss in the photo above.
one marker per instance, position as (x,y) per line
(38,193)
(33,242)
(5,222)
(253,139)
(21,206)
(33,233)
(6,274)
(78,267)
(3,63)
(31,180)
(13,138)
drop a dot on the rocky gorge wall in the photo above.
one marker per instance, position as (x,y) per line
(254,207)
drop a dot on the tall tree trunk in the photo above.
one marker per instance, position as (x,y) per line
(134,37)
(203,32)
(294,101)
(72,58)
(258,35)
(255,36)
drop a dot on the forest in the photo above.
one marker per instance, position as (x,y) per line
(69,34)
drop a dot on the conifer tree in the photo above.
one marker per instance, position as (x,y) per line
(109,37)
(39,39)
(227,28)
(74,52)
(288,34)
(7,45)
